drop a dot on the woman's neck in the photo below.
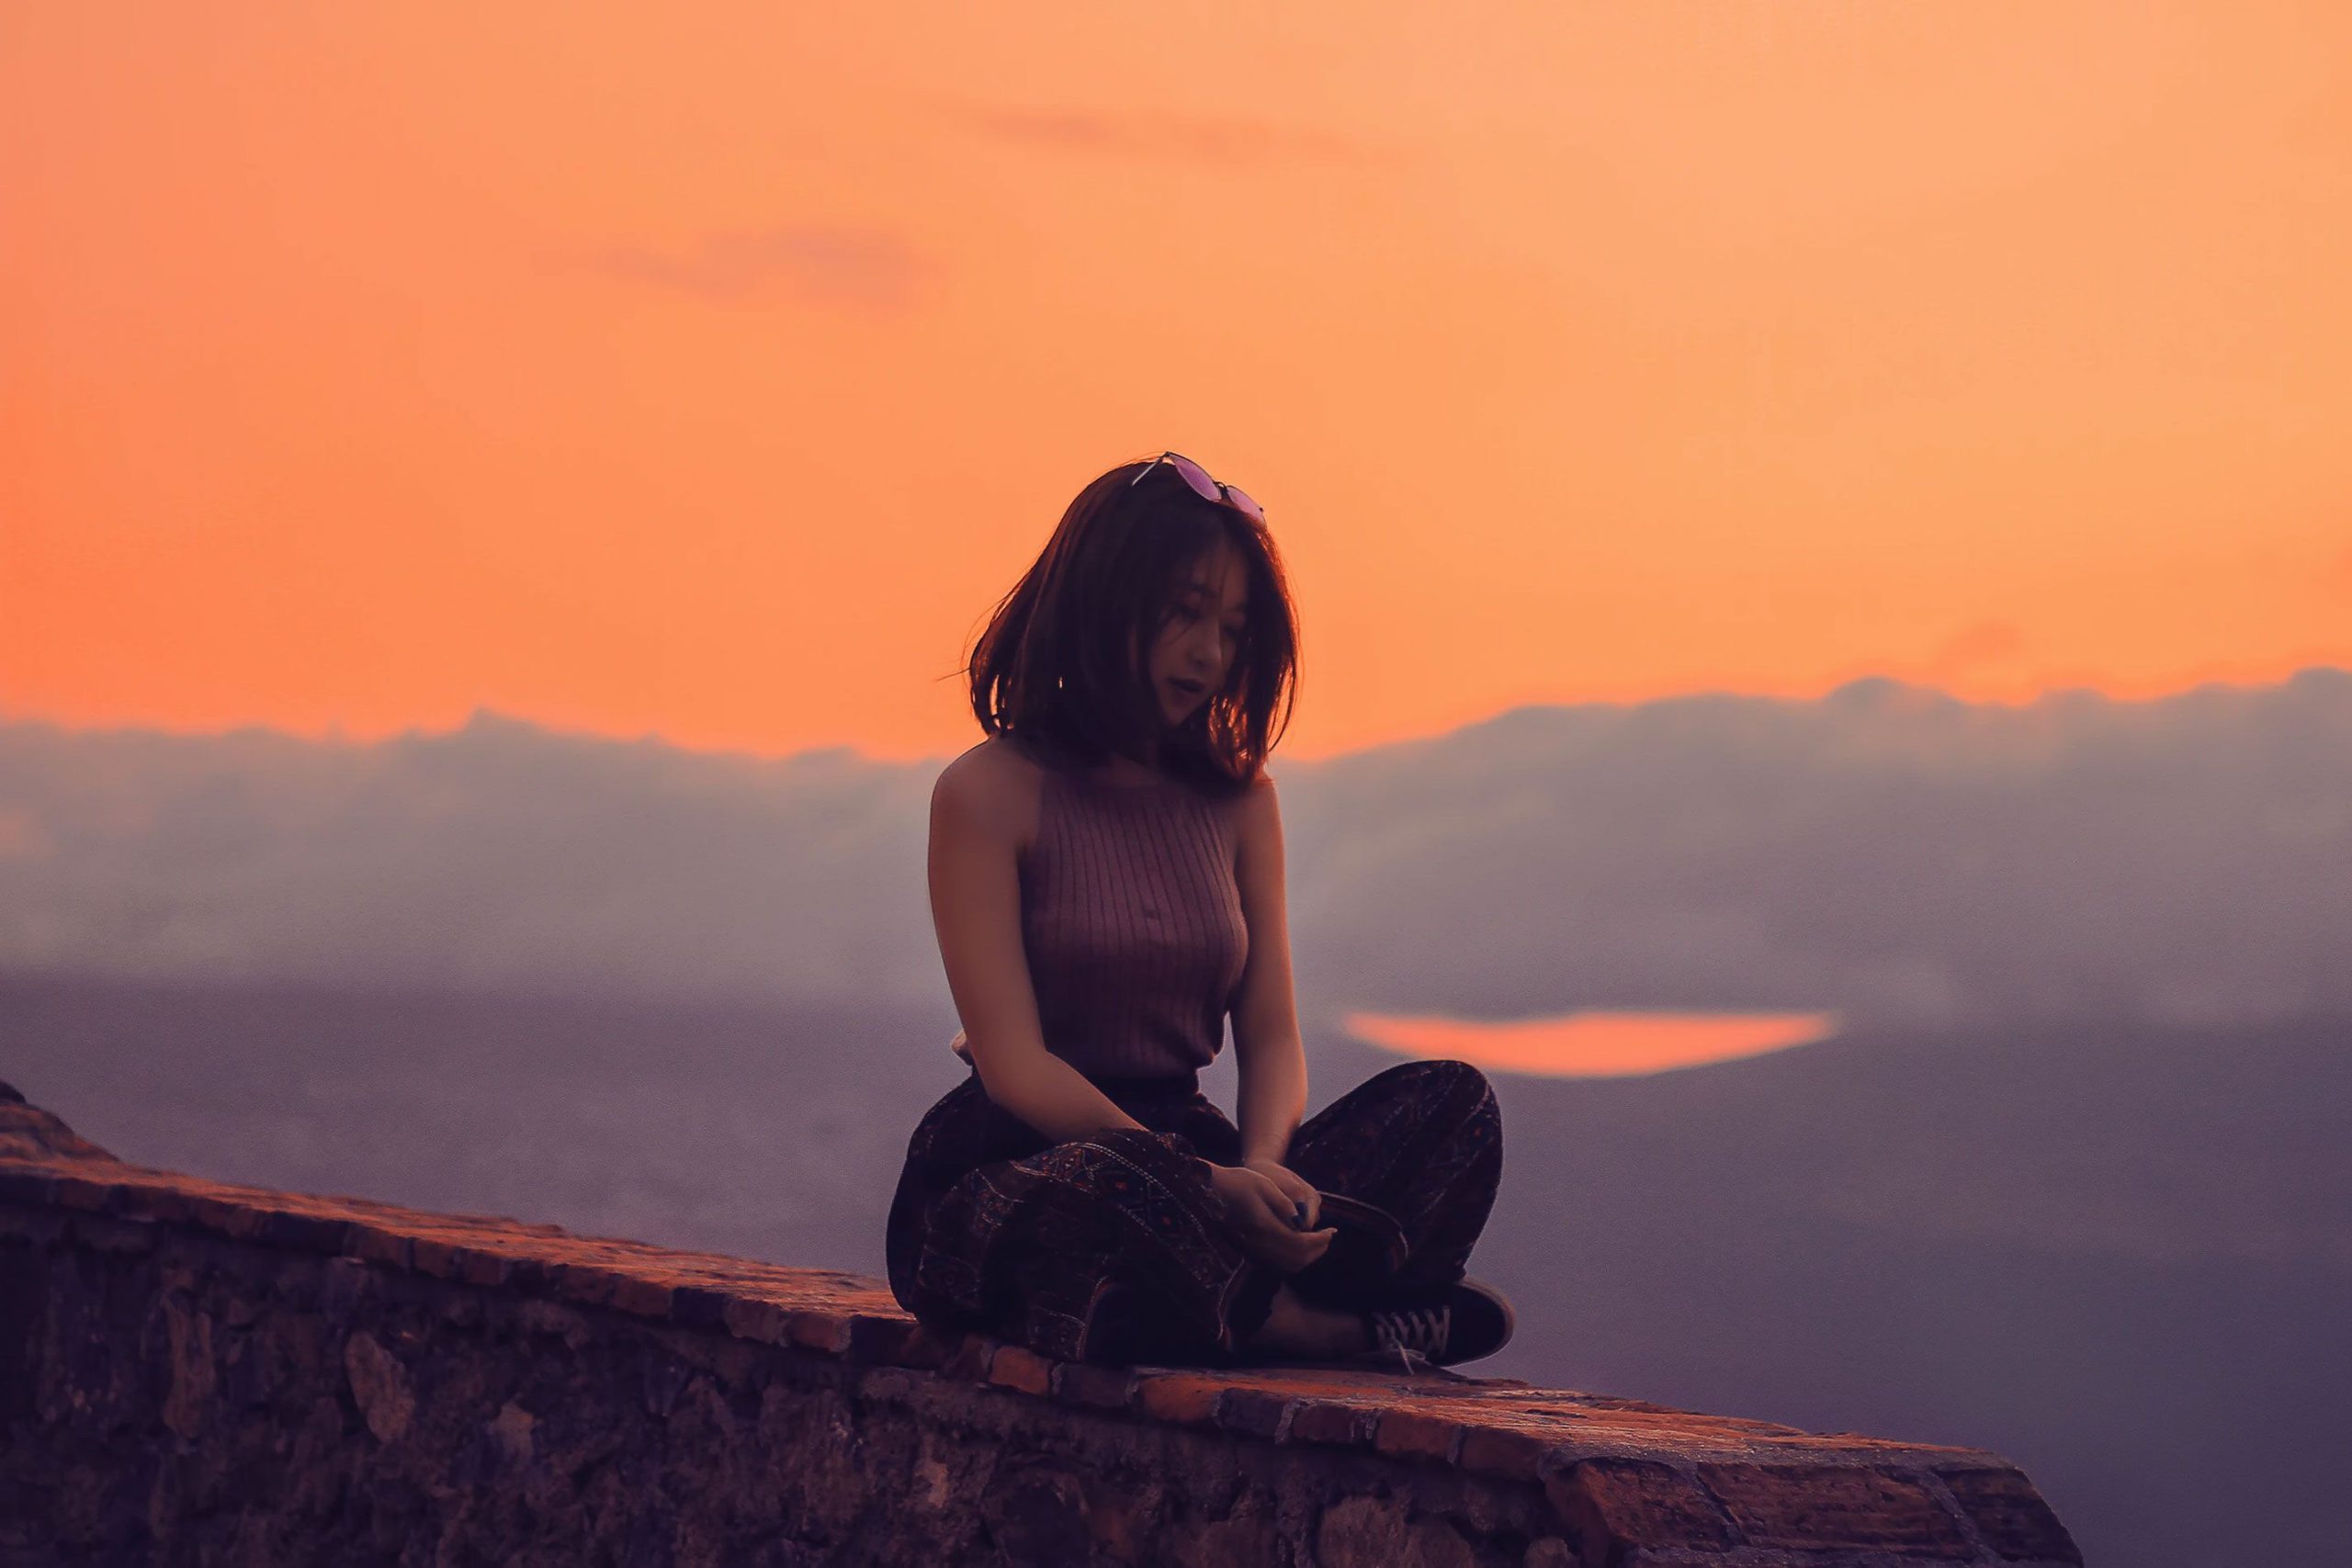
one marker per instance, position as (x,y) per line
(1123,768)
(1127,767)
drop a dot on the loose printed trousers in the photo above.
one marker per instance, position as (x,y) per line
(1114,1248)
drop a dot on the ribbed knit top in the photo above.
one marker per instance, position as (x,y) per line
(1132,918)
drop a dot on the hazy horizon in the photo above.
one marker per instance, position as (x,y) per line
(1886,853)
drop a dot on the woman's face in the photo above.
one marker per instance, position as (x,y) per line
(1194,652)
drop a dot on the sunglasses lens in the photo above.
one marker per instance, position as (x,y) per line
(1240,498)
(1195,476)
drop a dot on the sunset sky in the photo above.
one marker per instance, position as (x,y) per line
(709,371)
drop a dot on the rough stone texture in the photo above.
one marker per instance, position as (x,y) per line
(195,1373)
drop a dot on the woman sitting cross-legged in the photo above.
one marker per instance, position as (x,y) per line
(1106,882)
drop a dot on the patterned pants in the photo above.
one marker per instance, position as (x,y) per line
(1114,1248)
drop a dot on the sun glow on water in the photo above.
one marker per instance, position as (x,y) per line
(1591,1044)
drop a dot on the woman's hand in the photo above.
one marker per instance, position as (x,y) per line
(1306,1204)
(1263,1217)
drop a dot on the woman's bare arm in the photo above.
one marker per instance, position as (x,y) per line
(976,909)
(1269,1055)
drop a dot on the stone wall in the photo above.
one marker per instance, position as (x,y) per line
(197,1372)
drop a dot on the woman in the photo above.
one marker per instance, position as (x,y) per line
(1106,882)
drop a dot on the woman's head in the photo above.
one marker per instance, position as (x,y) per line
(1143,585)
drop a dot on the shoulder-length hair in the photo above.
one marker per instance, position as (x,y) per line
(1062,667)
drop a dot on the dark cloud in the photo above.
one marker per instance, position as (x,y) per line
(1887,852)
(870,268)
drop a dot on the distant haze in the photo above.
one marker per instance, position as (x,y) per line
(1884,852)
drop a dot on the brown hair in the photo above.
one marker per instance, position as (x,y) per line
(1061,666)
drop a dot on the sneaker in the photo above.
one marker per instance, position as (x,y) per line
(1473,1320)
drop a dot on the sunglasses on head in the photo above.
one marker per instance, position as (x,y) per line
(1205,487)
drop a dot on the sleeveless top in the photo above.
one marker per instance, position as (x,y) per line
(1132,919)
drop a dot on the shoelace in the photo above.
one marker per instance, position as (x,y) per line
(1414,1333)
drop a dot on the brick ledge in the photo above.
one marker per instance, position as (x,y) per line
(1613,1467)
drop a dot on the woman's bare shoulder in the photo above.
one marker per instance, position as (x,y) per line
(1256,811)
(997,784)
(1256,797)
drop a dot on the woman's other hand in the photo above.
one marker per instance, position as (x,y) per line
(1305,1202)
(1263,1215)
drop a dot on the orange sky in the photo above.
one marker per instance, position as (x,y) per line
(709,371)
